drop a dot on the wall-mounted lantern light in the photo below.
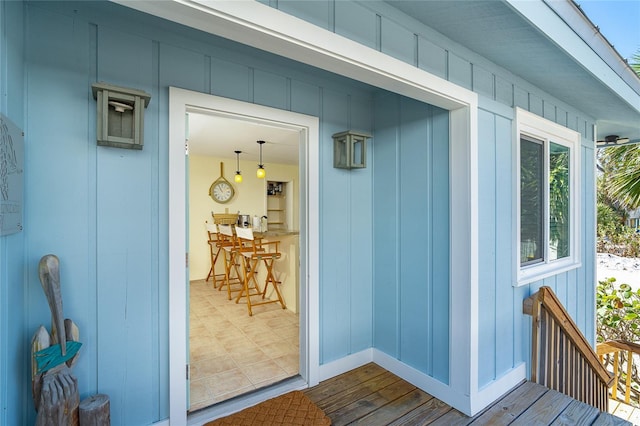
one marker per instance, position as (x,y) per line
(350,150)
(120,115)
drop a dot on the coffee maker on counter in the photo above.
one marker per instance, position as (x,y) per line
(244,220)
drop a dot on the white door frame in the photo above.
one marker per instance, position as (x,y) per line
(180,103)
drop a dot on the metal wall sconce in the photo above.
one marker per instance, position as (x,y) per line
(120,115)
(350,150)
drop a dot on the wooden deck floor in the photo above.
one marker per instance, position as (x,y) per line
(370,395)
(625,411)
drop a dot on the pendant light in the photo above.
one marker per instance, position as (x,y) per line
(238,177)
(261,173)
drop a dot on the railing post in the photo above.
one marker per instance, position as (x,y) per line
(531,306)
(616,366)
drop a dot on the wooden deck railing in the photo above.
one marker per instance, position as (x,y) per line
(615,347)
(561,358)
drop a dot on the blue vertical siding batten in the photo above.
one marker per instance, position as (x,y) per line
(270,89)
(397,41)
(336,290)
(14,366)
(487,292)
(441,246)
(416,246)
(411,201)
(509,317)
(432,58)
(360,233)
(124,257)
(386,223)
(58,210)
(364,31)
(230,80)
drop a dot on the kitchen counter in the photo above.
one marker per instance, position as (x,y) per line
(276,233)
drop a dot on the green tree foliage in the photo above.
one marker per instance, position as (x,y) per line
(621,172)
(618,318)
(618,312)
(635,62)
(621,167)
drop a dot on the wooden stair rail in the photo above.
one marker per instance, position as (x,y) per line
(615,347)
(561,358)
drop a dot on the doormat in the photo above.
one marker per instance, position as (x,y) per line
(293,408)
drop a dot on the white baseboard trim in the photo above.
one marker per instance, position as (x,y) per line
(498,388)
(433,387)
(342,365)
(469,403)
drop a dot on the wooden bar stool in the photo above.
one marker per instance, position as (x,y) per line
(230,247)
(214,251)
(253,252)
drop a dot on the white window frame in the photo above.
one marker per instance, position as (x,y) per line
(536,127)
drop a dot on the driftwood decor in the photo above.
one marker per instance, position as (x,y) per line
(54,387)
(94,411)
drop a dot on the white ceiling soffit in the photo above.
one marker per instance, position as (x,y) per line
(545,46)
(219,136)
(537,36)
(257,25)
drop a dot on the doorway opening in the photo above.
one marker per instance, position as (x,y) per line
(305,185)
(234,350)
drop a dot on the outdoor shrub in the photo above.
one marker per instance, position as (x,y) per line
(618,318)
(618,311)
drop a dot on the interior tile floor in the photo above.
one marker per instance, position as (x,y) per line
(231,352)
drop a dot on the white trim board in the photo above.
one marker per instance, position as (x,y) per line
(180,103)
(464,402)
(265,28)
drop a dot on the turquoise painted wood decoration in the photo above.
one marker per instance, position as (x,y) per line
(52,356)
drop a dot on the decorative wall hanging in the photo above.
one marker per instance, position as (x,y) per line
(120,115)
(11,176)
(221,190)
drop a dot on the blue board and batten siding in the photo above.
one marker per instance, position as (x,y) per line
(103,211)
(384,254)
(13,350)
(411,234)
(504,332)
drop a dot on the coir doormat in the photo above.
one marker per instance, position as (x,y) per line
(293,408)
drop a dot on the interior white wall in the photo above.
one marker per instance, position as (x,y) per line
(249,198)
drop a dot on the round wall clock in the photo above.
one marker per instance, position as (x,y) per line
(221,190)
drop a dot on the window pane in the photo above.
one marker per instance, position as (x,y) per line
(558,201)
(531,201)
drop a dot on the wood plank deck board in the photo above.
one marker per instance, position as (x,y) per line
(423,414)
(544,410)
(606,419)
(577,413)
(350,379)
(396,408)
(511,405)
(366,388)
(373,402)
(373,396)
